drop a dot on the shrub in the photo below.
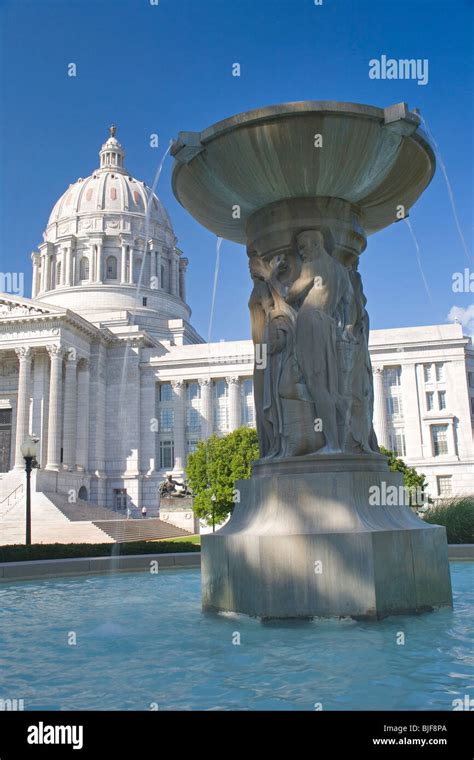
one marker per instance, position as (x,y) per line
(21,553)
(457,515)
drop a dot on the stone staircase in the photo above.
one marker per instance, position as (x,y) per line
(80,510)
(48,525)
(140,530)
(55,520)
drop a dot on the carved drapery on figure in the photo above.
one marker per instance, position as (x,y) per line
(312,377)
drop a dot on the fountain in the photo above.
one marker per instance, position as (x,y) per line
(302,185)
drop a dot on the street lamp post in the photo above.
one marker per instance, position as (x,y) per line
(28,450)
(213,499)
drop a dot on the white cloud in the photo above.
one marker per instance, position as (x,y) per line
(465,317)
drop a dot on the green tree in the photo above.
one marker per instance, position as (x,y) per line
(412,479)
(213,469)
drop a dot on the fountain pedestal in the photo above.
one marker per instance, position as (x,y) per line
(305,539)
(304,542)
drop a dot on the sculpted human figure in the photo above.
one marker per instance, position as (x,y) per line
(284,408)
(362,430)
(322,293)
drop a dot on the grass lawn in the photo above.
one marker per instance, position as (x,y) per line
(196,539)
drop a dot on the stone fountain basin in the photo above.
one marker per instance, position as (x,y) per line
(375,158)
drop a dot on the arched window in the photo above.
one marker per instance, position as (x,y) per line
(111,268)
(84,268)
(58,274)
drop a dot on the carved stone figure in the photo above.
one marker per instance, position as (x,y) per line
(285,410)
(361,426)
(321,294)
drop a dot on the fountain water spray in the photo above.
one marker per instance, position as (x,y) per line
(449,188)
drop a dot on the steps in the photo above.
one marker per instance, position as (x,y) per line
(122,531)
(48,525)
(80,510)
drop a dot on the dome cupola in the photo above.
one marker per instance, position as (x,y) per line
(112,154)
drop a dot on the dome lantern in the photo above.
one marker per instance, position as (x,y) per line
(112,154)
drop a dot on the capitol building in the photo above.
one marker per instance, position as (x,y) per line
(105,367)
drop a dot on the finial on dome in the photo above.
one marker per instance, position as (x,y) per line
(112,130)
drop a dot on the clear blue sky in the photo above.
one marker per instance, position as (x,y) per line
(167,68)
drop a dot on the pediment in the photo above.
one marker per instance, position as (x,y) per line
(14,306)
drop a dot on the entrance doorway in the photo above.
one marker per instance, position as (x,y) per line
(120,499)
(5,439)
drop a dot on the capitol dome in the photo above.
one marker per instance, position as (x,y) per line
(110,190)
(95,254)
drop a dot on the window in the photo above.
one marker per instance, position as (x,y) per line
(248,415)
(394,406)
(248,410)
(144,301)
(84,268)
(221,417)
(247,387)
(191,446)
(193,419)
(442,399)
(445,485)
(472,405)
(439,368)
(193,391)
(430,401)
(470,377)
(166,420)
(165,392)
(166,455)
(439,435)
(392,376)
(111,268)
(428,373)
(397,442)
(220,389)
(58,274)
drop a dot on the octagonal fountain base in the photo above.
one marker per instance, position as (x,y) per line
(305,541)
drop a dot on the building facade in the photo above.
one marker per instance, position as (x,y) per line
(104,366)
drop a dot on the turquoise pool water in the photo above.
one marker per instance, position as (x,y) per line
(142,640)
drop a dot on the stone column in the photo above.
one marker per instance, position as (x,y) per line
(159,284)
(179,425)
(130,265)
(47,272)
(24,354)
(98,270)
(68,266)
(34,282)
(40,404)
(183,263)
(410,395)
(56,354)
(82,421)
(380,408)
(70,412)
(173,265)
(234,402)
(148,421)
(206,407)
(123,265)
